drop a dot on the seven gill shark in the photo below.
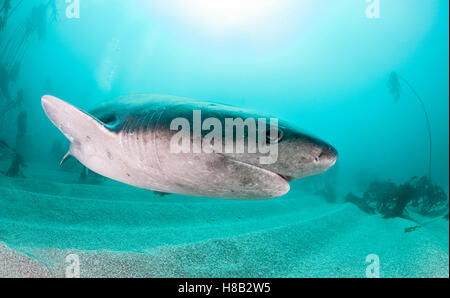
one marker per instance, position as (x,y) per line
(128,139)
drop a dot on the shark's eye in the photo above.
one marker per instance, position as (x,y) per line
(274,136)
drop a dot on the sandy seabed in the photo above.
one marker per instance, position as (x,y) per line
(121,231)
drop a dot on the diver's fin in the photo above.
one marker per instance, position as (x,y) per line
(64,159)
(75,124)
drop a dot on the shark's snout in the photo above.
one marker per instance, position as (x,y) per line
(329,155)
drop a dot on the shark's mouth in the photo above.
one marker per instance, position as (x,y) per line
(284,177)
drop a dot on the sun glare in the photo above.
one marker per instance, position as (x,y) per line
(226,14)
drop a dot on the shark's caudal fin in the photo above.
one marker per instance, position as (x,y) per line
(75,124)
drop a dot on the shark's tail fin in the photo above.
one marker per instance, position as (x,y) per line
(76,125)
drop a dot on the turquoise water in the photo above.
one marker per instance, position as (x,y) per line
(321,65)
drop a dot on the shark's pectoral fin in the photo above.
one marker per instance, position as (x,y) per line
(76,125)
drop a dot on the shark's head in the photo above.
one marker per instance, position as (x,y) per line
(301,155)
(293,154)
